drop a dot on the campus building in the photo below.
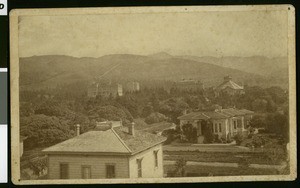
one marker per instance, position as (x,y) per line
(104,90)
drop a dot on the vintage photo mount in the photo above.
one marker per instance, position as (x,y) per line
(14,83)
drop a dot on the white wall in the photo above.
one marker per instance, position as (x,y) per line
(98,165)
(148,163)
(224,127)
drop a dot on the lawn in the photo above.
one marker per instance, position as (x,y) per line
(226,157)
(203,171)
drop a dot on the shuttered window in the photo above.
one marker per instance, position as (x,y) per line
(64,170)
(86,172)
(110,171)
(220,127)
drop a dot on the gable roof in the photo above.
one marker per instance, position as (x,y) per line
(229,84)
(111,141)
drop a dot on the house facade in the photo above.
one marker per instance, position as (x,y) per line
(118,152)
(223,123)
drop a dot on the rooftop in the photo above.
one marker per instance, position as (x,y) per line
(159,127)
(112,141)
(229,83)
(217,114)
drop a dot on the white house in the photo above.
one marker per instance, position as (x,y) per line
(224,123)
(119,152)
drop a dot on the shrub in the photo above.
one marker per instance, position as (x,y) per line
(171,135)
(189,132)
(208,135)
(238,138)
(180,167)
(155,118)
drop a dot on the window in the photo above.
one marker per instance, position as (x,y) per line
(139,167)
(155,158)
(234,124)
(110,171)
(86,172)
(220,127)
(216,128)
(64,170)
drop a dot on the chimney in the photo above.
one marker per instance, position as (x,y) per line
(184,112)
(131,129)
(227,78)
(218,108)
(77,129)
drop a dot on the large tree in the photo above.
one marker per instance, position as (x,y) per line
(42,130)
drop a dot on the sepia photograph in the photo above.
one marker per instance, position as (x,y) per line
(153,94)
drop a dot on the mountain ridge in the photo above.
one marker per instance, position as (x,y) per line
(57,69)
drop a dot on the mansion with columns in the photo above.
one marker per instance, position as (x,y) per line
(224,123)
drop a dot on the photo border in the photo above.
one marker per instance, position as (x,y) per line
(14,88)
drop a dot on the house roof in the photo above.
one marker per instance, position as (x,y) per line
(229,84)
(114,140)
(216,115)
(140,141)
(204,115)
(232,112)
(245,111)
(159,127)
(194,116)
(221,114)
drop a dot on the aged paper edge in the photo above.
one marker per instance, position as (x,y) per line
(14,81)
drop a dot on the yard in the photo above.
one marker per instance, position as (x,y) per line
(203,171)
(226,157)
(267,157)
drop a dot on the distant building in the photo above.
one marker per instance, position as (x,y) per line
(189,84)
(116,152)
(229,87)
(104,90)
(224,123)
(93,90)
(132,86)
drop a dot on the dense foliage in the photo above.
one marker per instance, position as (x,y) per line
(48,116)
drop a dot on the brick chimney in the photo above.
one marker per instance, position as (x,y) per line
(77,129)
(131,129)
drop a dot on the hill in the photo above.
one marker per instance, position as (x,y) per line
(270,68)
(48,71)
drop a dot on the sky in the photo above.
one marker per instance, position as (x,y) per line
(244,33)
